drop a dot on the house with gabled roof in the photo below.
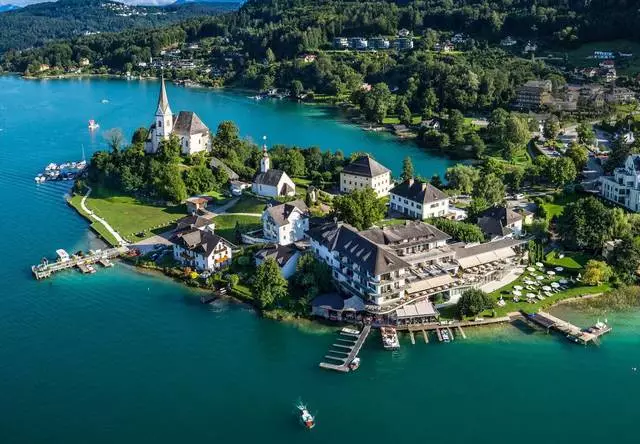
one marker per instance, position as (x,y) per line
(418,200)
(365,172)
(499,222)
(285,223)
(201,250)
(271,182)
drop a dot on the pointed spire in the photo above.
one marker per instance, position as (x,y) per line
(163,100)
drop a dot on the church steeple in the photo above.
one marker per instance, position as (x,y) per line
(164,118)
(264,162)
(163,100)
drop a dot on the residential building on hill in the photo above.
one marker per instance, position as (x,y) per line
(193,135)
(534,94)
(498,222)
(285,223)
(623,186)
(418,200)
(366,172)
(201,250)
(271,182)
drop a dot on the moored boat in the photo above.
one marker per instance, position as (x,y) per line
(390,339)
(93,125)
(354,364)
(350,331)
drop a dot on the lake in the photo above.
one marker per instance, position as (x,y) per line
(128,357)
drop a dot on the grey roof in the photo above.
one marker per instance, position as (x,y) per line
(194,221)
(349,243)
(199,241)
(280,253)
(188,123)
(163,100)
(495,221)
(217,163)
(365,166)
(329,300)
(393,235)
(280,213)
(418,191)
(270,178)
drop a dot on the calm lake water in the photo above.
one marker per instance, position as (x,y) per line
(126,357)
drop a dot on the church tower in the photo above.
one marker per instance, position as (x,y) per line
(164,118)
(264,162)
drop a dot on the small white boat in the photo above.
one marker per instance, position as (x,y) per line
(306,418)
(104,101)
(93,125)
(390,339)
(354,364)
(350,331)
(445,336)
(51,167)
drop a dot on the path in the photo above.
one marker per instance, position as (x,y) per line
(104,223)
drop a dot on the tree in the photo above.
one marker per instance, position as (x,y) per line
(596,272)
(472,302)
(551,128)
(140,136)
(407,169)
(269,56)
(360,208)
(312,277)
(269,287)
(563,171)
(436,181)
(586,135)
(297,88)
(625,258)
(404,114)
(490,189)
(169,150)
(462,178)
(578,154)
(585,224)
(199,179)
(455,126)
(497,125)
(114,139)
(169,184)
(459,231)
(376,103)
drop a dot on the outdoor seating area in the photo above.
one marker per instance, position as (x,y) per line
(540,282)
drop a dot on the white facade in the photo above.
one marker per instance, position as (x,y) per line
(419,210)
(624,186)
(380,184)
(288,269)
(287,231)
(218,258)
(272,183)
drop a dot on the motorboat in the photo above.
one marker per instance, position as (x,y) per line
(354,364)
(445,336)
(93,125)
(104,101)
(350,331)
(389,338)
(306,418)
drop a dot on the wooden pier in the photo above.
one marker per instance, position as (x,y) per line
(572,332)
(347,351)
(45,270)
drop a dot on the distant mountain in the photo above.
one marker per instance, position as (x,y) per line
(185,2)
(5,8)
(36,24)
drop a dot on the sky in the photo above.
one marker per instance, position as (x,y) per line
(130,2)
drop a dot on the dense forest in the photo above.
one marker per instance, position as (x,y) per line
(39,23)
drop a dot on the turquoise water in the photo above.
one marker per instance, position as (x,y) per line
(126,357)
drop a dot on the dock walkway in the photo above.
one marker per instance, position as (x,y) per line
(351,351)
(573,332)
(43,271)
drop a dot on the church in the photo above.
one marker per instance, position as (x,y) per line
(193,134)
(270,182)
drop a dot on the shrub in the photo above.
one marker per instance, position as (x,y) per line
(472,302)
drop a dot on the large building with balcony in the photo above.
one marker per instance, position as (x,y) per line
(285,223)
(418,200)
(623,187)
(201,250)
(534,94)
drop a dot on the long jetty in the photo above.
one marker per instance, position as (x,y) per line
(45,270)
(572,332)
(348,350)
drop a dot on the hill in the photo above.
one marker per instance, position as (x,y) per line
(36,24)
(5,8)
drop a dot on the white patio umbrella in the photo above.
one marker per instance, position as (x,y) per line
(551,273)
(555,284)
(517,292)
(559,269)
(539,278)
(539,264)
(531,269)
(517,287)
(546,288)
(563,281)
(531,295)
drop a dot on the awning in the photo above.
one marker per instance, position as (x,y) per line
(421,308)
(430,283)
(486,258)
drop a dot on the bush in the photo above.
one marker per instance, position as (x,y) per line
(472,302)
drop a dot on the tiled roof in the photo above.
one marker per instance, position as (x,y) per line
(280,213)
(203,242)
(418,191)
(188,123)
(270,178)
(280,253)
(365,166)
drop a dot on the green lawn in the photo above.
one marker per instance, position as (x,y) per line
(249,204)
(95,226)
(570,261)
(556,207)
(580,57)
(226,224)
(394,120)
(129,216)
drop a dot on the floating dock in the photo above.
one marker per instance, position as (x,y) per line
(572,332)
(347,351)
(84,263)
